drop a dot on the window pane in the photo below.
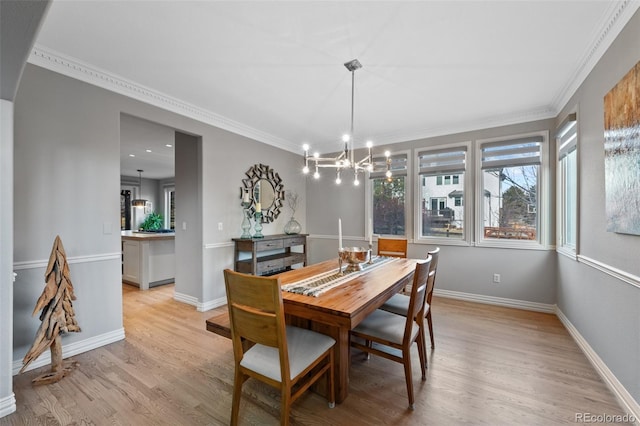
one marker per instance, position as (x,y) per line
(570,199)
(441,206)
(388,206)
(510,203)
(170,208)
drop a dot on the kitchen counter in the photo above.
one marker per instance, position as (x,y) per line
(141,236)
(148,259)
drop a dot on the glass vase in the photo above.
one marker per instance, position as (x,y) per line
(246,224)
(292,227)
(258,226)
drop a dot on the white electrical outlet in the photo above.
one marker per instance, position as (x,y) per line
(496,278)
(219,226)
(184,226)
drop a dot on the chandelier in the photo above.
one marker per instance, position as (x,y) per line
(345,161)
(139,202)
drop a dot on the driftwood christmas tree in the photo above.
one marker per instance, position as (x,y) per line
(57,316)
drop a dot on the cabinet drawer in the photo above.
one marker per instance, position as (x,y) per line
(294,241)
(294,258)
(269,245)
(269,265)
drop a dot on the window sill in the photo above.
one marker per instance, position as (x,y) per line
(513,244)
(567,252)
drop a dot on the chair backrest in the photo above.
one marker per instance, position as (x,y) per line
(256,313)
(431,281)
(392,247)
(418,294)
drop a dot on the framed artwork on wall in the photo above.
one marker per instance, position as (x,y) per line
(622,154)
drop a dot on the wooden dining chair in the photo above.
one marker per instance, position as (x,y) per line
(392,247)
(383,330)
(282,356)
(399,303)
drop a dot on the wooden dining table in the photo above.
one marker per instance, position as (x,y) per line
(342,308)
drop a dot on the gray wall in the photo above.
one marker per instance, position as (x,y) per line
(67,182)
(188,154)
(527,275)
(604,309)
(19,25)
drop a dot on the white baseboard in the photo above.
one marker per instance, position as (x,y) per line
(628,403)
(499,301)
(185,298)
(622,395)
(200,306)
(7,405)
(211,304)
(72,349)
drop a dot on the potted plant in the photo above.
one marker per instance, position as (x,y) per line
(153,222)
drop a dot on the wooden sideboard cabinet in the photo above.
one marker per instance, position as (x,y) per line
(269,255)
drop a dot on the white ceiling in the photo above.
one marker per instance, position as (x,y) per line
(273,70)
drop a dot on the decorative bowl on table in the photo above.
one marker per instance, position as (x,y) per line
(354,257)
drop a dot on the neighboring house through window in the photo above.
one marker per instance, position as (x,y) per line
(511,176)
(441,191)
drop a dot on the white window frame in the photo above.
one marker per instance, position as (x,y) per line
(566,143)
(407,201)
(467,203)
(543,215)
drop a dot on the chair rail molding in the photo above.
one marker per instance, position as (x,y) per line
(619,274)
(32,264)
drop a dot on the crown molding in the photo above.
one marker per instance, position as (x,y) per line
(617,17)
(74,68)
(542,113)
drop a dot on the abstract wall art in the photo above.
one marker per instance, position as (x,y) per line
(622,154)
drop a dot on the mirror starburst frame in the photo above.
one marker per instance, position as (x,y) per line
(254,175)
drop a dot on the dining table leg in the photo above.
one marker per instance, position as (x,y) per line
(341,357)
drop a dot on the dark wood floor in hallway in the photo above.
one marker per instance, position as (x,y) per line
(491,366)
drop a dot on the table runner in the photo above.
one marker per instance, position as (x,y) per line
(325,281)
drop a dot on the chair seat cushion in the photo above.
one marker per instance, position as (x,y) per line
(305,346)
(386,326)
(399,304)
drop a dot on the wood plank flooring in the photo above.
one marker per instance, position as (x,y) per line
(491,365)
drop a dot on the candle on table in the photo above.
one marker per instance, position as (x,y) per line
(258,208)
(339,234)
(370,232)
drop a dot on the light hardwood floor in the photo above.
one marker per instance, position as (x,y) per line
(491,365)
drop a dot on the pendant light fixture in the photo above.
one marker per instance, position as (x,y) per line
(346,161)
(139,202)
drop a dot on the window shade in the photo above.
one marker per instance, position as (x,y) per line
(511,153)
(442,161)
(398,166)
(567,136)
